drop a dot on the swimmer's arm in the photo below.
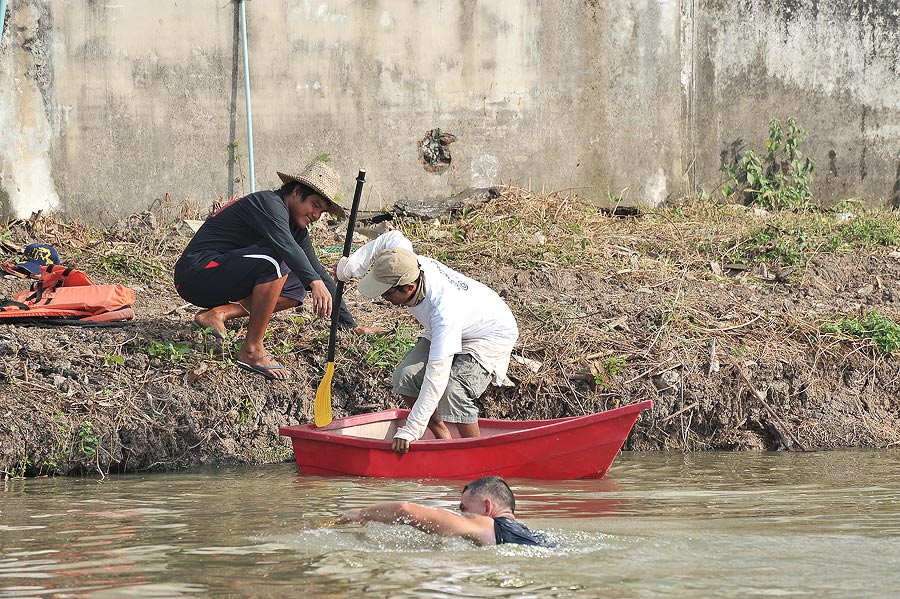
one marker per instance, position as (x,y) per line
(479,529)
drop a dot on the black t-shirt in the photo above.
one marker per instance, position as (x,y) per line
(258,219)
(507,530)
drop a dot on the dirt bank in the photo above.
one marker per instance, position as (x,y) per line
(714,312)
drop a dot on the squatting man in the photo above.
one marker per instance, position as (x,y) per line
(468,338)
(254,257)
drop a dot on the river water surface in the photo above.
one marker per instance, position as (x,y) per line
(818,524)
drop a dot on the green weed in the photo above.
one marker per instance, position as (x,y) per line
(775,245)
(168,351)
(13,381)
(113,360)
(19,469)
(117,264)
(60,449)
(879,330)
(523,232)
(614,200)
(664,318)
(388,349)
(284,347)
(245,412)
(793,239)
(608,369)
(212,346)
(779,179)
(86,440)
(300,322)
(871,230)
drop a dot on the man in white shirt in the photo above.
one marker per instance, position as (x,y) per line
(469,335)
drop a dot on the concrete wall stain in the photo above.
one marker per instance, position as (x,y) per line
(818,61)
(30,119)
(894,200)
(656,91)
(863,173)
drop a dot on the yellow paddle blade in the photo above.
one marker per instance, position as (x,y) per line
(322,409)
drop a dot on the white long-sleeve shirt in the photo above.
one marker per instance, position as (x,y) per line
(460,315)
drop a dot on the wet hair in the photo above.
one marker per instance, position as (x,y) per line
(288,188)
(495,489)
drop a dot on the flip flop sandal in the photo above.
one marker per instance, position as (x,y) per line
(260,370)
(10,269)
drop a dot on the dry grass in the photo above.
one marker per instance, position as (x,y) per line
(612,310)
(673,301)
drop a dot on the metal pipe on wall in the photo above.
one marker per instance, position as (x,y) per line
(2,17)
(246,94)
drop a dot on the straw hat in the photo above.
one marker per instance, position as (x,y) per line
(322,179)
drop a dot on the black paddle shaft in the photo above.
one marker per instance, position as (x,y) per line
(348,242)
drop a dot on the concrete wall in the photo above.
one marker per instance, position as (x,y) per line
(833,64)
(106,106)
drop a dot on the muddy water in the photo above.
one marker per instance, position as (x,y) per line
(707,525)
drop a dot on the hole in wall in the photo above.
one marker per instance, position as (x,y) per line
(434,150)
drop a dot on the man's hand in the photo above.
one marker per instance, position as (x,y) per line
(399,446)
(355,515)
(363,330)
(321,299)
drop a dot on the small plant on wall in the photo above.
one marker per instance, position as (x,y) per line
(780,178)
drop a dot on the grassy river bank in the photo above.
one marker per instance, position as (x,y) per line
(749,330)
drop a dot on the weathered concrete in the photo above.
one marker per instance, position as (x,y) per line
(26,109)
(112,105)
(834,65)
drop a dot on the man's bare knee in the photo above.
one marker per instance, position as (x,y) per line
(468,430)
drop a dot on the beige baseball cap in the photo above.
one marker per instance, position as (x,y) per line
(392,267)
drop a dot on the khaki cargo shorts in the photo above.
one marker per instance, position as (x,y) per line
(468,380)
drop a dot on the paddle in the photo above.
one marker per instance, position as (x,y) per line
(322,409)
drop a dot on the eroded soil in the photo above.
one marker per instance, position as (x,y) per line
(732,358)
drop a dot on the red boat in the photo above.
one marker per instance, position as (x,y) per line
(562,448)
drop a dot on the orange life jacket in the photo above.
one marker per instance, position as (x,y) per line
(66,295)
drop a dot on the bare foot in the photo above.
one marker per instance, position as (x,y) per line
(212,319)
(261,363)
(361,330)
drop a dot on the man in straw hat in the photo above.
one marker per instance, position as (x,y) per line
(254,257)
(468,338)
